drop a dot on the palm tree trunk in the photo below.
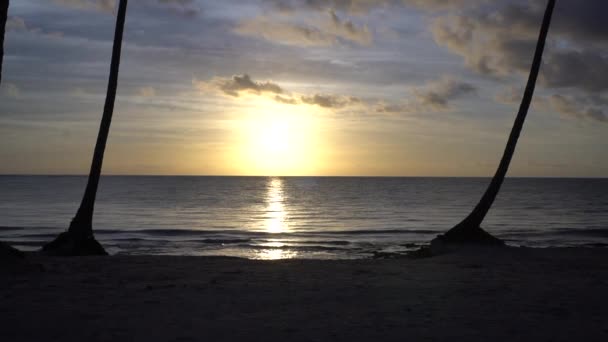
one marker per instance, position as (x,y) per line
(6,251)
(3,20)
(79,239)
(469,229)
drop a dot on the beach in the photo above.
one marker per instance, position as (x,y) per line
(501,294)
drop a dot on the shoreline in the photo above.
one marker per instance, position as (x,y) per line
(523,294)
(411,250)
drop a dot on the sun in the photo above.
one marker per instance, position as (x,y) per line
(274,137)
(278,140)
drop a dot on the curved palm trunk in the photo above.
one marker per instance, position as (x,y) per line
(79,239)
(469,229)
(5,249)
(3,20)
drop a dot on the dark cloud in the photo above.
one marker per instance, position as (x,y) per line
(330,101)
(243,84)
(391,108)
(586,69)
(502,40)
(499,41)
(582,20)
(285,100)
(437,95)
(239,84)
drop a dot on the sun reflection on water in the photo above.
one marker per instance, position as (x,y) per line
(275,254)
(276,217)
(275,222)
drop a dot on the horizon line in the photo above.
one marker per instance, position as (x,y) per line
(283,176)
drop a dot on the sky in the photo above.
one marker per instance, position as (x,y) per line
(305,87)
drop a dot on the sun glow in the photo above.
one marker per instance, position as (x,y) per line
(278,139)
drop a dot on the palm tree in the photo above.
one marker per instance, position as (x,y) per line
(5,249)
(3,19)
(79,239)
(469,230)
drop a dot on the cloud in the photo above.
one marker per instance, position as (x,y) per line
(351,6)
(437,95)
(327,32)
(330,101)
(388,108)
(286,100)
(243,84)
(361,7)
(238,85)
(347,30)
(434,96)
(585,69)
(186,8)
(19,24)
(284,33)
(441,5)
(499,41)
(97,5)
(578,108)
(510,95)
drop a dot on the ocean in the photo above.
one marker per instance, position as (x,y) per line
(299,217)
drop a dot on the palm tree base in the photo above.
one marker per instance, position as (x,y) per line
(470,235)
(68,244)
(461,236)
(7,252)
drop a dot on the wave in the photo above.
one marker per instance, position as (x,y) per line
(179,232)
(595,232)
(312,248)
(4,228)
(315,242)
(222,241)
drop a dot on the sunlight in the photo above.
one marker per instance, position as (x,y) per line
(278,139)
(275,254)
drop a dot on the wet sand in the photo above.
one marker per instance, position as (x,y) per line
(511,294)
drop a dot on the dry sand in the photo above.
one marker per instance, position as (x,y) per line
(510,295)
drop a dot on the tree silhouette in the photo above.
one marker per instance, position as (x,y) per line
(79,239)
(5,249)
(3,20)
(469,230)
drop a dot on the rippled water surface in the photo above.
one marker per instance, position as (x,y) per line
(307,217)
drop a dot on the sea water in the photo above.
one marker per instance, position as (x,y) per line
(299,217)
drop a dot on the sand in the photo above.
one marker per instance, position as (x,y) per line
(513,294)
